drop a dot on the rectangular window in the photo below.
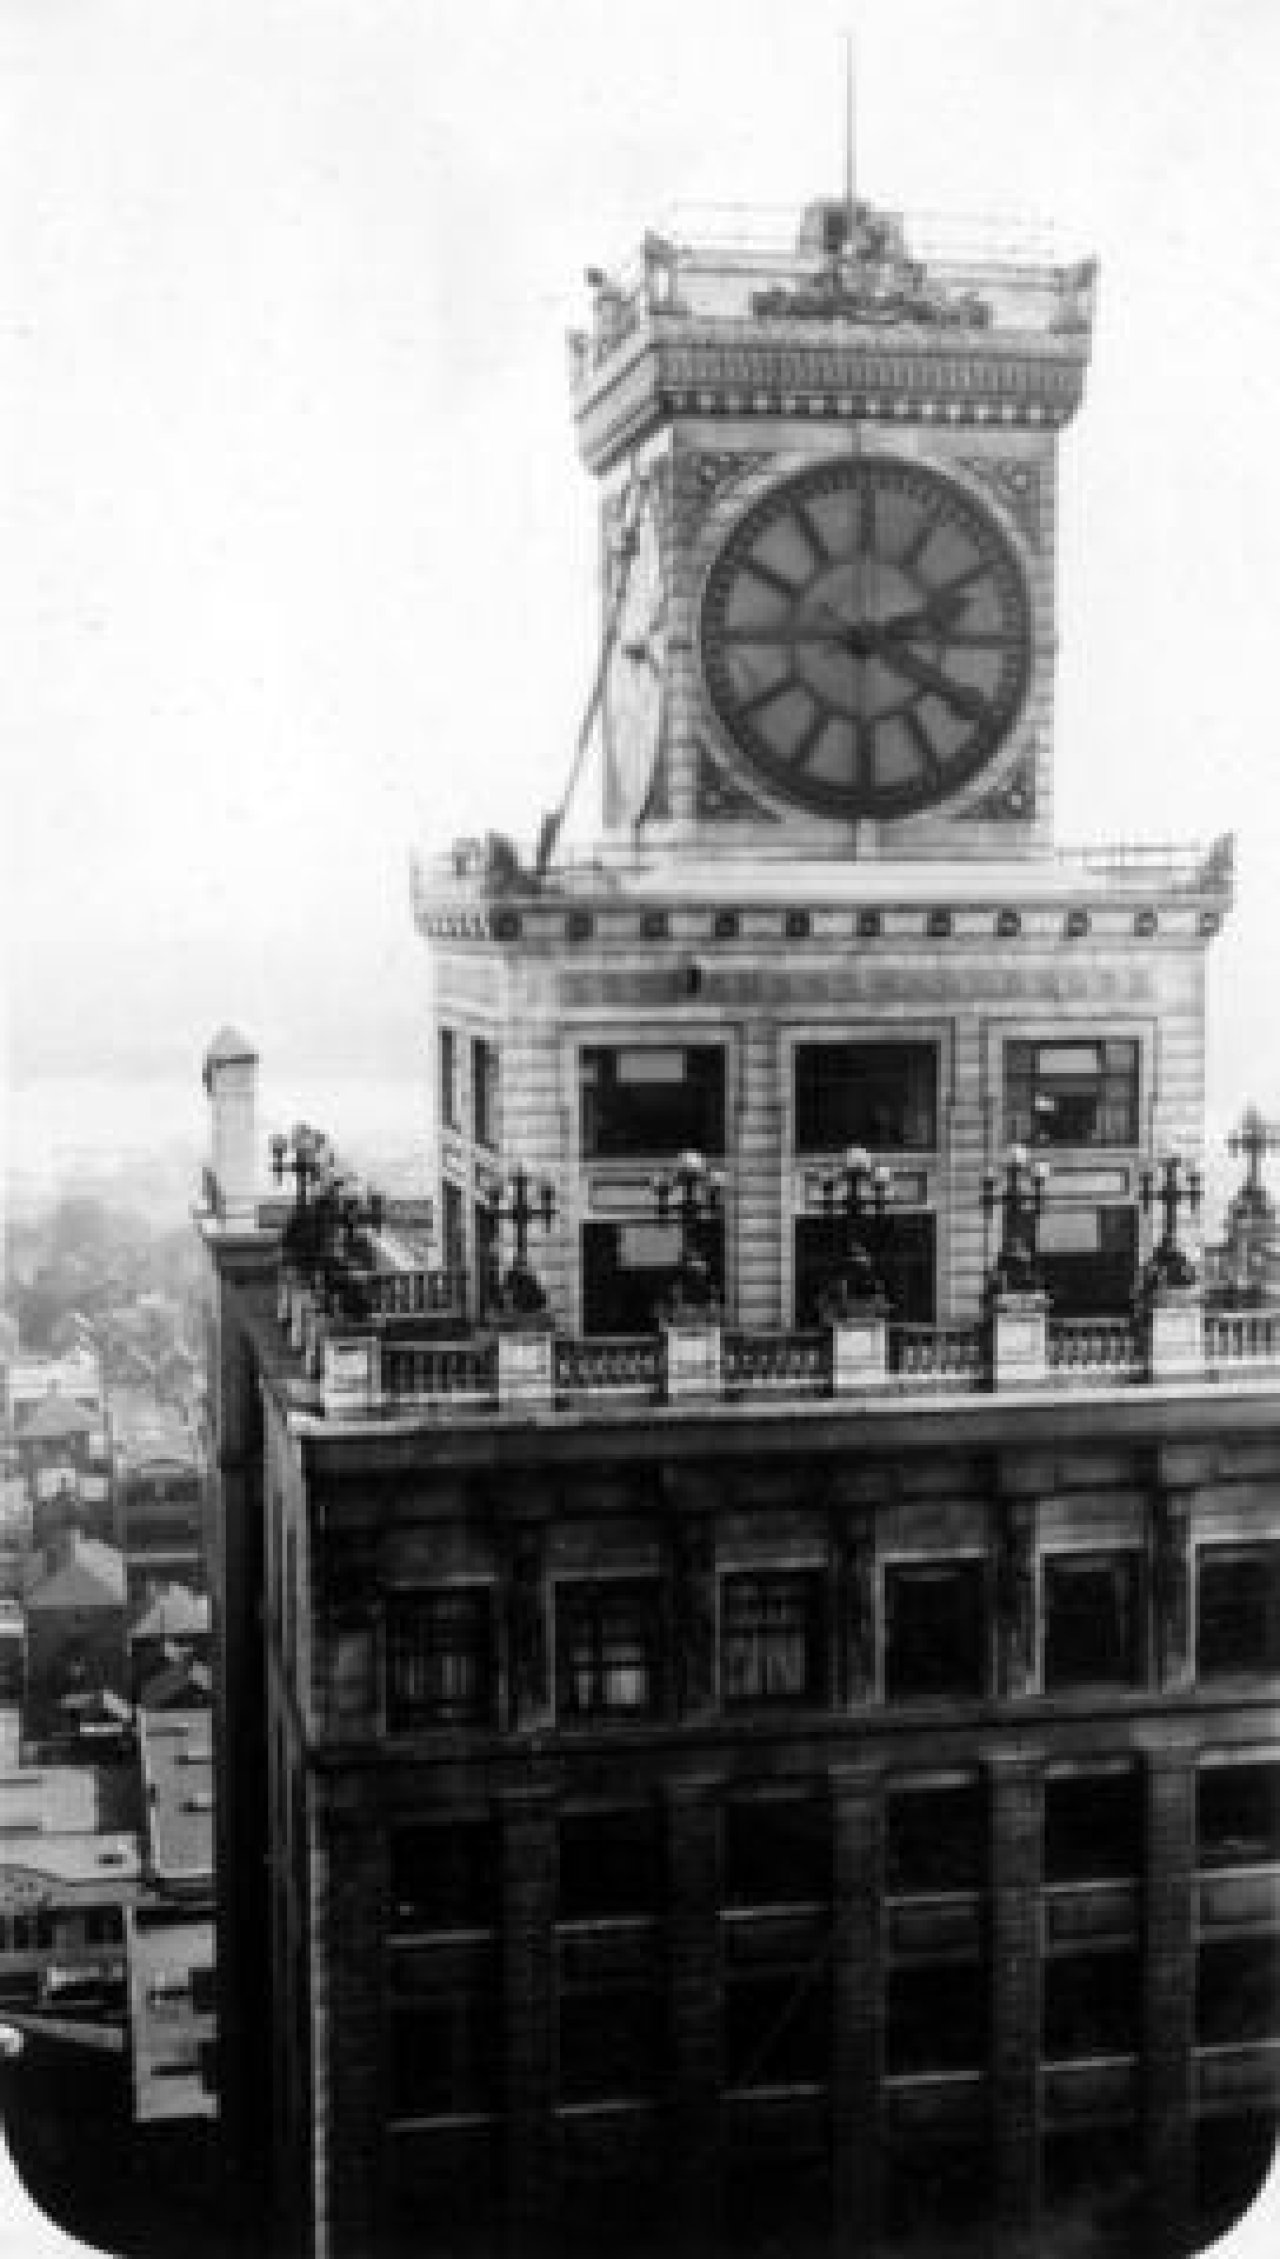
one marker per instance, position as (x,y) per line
(1076,1093)
(777,2025)
(611,2043)
(629,1270)
(449,1117)
(1092,2004)
(607,1647)
(445,2055)
(651,1101)
(881,1095)
(610,1866)
(1238,1815)
(1237,1610)
(936,1839)
(445,1877)
(1092,1620)
(935,1640)
(484,1092)
(1238,1991)
(777,1851)
(440,1657)
(771,1645)
(936,2018)
(1092,1826)
(453,1235)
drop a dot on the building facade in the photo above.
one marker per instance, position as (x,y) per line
(713,1740)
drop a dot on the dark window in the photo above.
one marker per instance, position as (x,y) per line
(936,1839)
(938,2194)
(484,1092)
(1092,1826)
(882,1095)
(611,2042)
(652,1100)
(452,1227)
(1238,1815)
(445,1877)
(1072,1093)
(204,1997)
(777,2025)
(936,2018)
(777,1851)
(1092,1620)
(449,1079)
(445,2055)
(771,1637)
(935,1630)
(1237,1610)
(440,1657)
(629,1269)
(103,1925)
(1092,2004)
(607,1647)
(1238,1991)
(902,1248)
(488,1264)
(610,1866)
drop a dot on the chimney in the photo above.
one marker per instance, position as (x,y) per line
(231,1083)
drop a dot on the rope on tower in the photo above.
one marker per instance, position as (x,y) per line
(549,830)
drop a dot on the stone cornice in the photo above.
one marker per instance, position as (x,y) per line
(673,365)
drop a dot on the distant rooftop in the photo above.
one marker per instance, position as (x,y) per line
(176,1752)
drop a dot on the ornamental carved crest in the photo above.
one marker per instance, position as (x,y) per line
(1015,484)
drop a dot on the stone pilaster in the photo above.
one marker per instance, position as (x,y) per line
(695,1991)
(530,1885)
(853,1670)
(1170,1546)
(857,1836)
(1169,1973)
(1017,1804)
(352,2043)
(1016,1596)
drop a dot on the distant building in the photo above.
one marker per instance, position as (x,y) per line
(168,1636)
(65,1883)
(75,1611)
(159,1506)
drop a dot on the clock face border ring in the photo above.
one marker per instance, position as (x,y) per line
(940,498)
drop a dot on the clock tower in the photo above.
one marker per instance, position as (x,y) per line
(827,473)
(820,907)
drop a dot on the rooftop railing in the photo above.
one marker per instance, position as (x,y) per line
(368,1375)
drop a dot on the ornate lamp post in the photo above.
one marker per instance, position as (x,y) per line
(1019,1201)
(520,1295)
(858,1190)
(1249,1260)
(1174,1184)
(692,1191)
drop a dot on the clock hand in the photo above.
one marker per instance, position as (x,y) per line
(957,695)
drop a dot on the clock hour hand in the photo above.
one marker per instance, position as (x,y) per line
(926,676)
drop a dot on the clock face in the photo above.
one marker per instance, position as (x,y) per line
(637,663)
(866,638)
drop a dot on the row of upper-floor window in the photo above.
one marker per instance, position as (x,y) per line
(774,1851)
(58,1931)
(656,1100)
(776,2022)
(613,1638)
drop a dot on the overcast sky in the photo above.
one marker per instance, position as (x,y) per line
(297,553)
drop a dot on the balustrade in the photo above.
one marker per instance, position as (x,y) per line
(947,1358)
(1093,1348)
(614,1365)
(1242,1338)
(773,1363)
(460,1371)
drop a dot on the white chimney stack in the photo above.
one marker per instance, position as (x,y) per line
(231,1082)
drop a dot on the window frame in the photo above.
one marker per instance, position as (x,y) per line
(806,1045)
(1065,1037)
(582,1602)
(443,1712)
(808,1581)
(1240,1550)
(688,1042)
(1055,1558)
(971,1559)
